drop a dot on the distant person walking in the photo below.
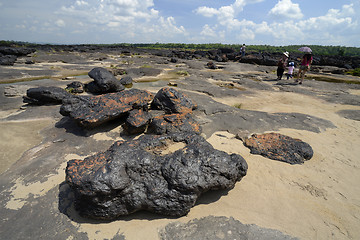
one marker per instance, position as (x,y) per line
(282,64)
(304,67)
(242,50)
(291,69)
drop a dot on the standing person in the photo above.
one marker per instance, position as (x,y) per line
(304,67)
(242,50)
(282,64)
(291,69)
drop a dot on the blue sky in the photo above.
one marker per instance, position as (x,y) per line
(272,22)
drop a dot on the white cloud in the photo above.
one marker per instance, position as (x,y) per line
(169,25)
(286,9)
(208,31)
(246,34)
(81,3)
(60,23)
(206,11)
(130,17)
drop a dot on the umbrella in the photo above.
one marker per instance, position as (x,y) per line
(305,49)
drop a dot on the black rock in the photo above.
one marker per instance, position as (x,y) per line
(75,87)
(92,111)
(146,174)
(137,121)
(46,95)
(172,101)
(8,60)
(127,80)
(105,81)
(173,123)
(279,147)
(16,51)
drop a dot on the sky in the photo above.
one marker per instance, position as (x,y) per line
(253,22)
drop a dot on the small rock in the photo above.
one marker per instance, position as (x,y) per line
(279,147)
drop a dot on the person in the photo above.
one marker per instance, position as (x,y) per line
(242,50)
(304,67)
(291,69)
(282,64)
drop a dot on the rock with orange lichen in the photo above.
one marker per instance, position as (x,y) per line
(171,123)
(91,111)
(164,174)
(137,121)
(279,147)
(172,101)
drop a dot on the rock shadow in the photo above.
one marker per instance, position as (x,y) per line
(286,84)
(66,206)
(72,127)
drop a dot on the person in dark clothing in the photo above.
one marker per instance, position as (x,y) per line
(282,64)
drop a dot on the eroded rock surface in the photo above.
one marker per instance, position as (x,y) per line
(148,174)
(172,101)
(137,121)
(91,111)
(171,123)
(46,95)
(279,147)
(104,81)
(221,228)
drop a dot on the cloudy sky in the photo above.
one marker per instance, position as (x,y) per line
(272,22)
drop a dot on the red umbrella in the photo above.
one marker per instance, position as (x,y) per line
(305,49)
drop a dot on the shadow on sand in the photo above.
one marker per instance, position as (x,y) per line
(67,207)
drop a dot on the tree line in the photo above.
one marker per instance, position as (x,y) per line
(317,49)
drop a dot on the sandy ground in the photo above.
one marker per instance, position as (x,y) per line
(317,200)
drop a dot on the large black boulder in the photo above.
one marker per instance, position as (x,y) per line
(146,174)
(172,101)
(46,95)
(104,81)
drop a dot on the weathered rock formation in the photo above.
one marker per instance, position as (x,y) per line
(172,123)
(9,55)
(46,95)
(91,111)
(172,101)
(104,81)
(137,121)
(75,87)
(279,147)
(148,174)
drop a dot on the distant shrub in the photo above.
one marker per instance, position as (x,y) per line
(356,72)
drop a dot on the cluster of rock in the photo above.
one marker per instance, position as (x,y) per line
(9,55)
(144,174)
(163,171)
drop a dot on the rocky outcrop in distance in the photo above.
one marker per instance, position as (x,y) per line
(8,55)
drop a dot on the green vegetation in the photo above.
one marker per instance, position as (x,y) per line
(182,73)
(317,49)
(356,72)
(238,105)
